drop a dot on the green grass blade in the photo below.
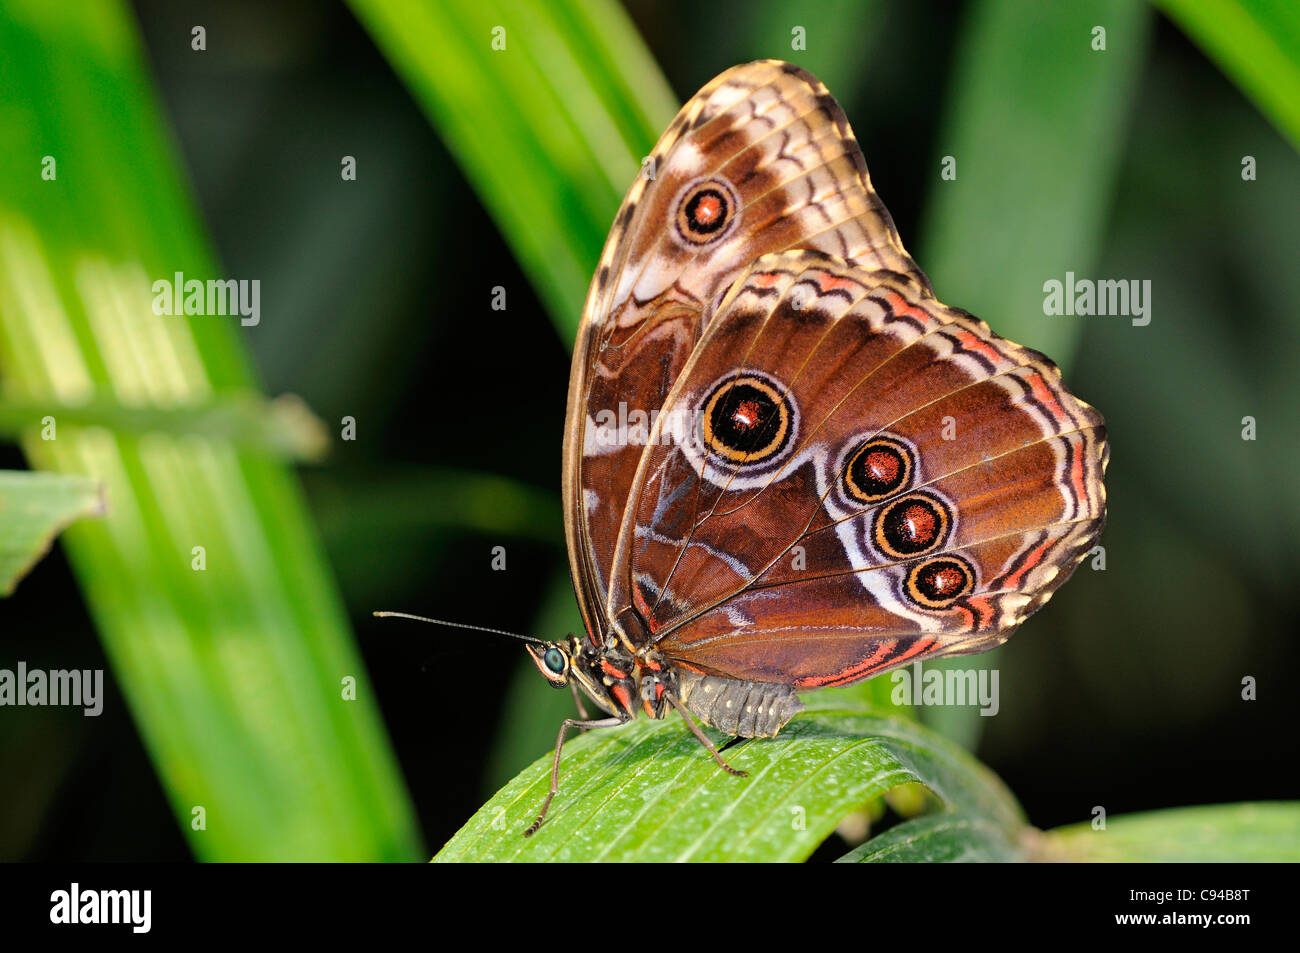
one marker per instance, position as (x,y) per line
(1256,44)
(234,674)
(1267,831)
(283,427)
(549,131)
(1036,161)
(34,508)
(649,792)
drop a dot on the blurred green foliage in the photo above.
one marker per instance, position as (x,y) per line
(205,579)
(545,106)
(1218,833)
(1257,44)
(34,507)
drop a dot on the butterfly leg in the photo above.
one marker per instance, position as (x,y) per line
(577,700)
(555,765)
(703,739)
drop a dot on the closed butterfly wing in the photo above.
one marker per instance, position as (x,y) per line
(760,160)
(848,475)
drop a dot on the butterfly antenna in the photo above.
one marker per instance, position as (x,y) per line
(455,625)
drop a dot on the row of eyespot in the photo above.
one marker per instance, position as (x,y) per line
(747,421)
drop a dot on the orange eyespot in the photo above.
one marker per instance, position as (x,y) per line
(747,420)
(878,469)
(911,525)
(938,582)
(707,210)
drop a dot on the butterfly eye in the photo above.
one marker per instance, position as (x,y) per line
(554,660)
(939,582)
(878,469)
(912,525)
(747,420)
(706,211)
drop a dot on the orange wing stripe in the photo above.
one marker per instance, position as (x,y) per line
(883,655)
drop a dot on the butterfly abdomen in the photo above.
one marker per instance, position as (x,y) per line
(745,709)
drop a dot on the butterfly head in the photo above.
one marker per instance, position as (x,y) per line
(554,660)
(606,676)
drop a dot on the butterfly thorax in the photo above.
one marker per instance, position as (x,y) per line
(621,682)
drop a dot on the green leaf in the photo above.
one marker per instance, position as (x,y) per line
(549,131)
(945,837)
(1257,45)
(34,508)
(235,672)
(1262,831)
(648,791)
(284,427)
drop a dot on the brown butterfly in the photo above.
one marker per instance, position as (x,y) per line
(787,465)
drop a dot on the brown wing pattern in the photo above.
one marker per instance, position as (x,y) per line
(850,475)
(760,160)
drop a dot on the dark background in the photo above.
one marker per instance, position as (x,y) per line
(1124,692)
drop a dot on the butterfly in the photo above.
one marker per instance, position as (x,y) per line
(787,464)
